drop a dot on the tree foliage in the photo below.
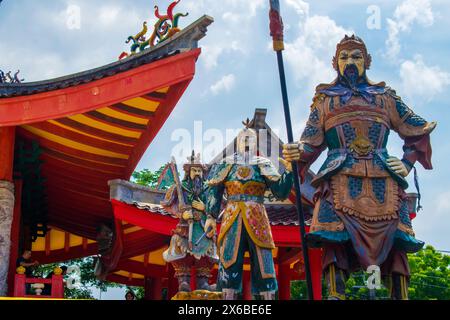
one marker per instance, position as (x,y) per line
(430,280)
(147,178)
(430,275)
(87,278)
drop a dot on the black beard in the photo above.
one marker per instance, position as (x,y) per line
(351,75)
(197,185)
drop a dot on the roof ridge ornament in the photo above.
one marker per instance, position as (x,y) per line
(8,78)
(165,27)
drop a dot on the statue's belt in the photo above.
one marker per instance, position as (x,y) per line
(360,154)
(245,198)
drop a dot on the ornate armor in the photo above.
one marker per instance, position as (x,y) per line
(245,225)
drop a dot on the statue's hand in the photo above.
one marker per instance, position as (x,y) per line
(292,151)
(187,215)
(198,205)
(211,226)
(286,164)
(398,166)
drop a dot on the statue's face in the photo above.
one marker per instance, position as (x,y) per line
(247,141)
(196,172)
(348,58)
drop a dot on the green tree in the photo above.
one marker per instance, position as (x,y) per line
(147,178)
(87,278)
(430,275)
(430,279)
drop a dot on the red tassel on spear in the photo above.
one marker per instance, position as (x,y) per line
(276,32)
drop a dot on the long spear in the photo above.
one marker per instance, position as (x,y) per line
(276,31)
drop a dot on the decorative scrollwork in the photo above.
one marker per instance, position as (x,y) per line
(164,28)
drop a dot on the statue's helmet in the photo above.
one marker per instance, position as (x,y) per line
(352,50)
(247,140)
(194,167)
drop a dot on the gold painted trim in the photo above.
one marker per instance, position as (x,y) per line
(237,243)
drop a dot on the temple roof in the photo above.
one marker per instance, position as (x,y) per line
(187,39)
(95,126)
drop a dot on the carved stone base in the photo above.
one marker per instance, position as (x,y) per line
(6,217)
(198,295)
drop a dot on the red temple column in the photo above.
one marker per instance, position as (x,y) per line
(172,283)
(315,260)
(148,288)
(284,282)
(157,289)
(152,288)
(246,286)
(7,138)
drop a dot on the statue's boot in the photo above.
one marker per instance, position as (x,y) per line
(229,294)
(336,282)
(398,285)
(268,295)
(184,284)
(202,284)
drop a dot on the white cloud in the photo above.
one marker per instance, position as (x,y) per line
(405,15)
(300,6)
(226,83)
(310,54)
(420,80)
(109,14)
(235,19)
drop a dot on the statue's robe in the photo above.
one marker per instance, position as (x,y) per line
(245,218)
(179,248)
(360,204)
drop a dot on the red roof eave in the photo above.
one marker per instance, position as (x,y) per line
(284,236)
(108,91)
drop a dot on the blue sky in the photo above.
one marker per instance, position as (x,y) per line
(237,70)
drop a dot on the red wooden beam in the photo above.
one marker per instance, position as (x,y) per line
(108,91)
(124,280)
(61,255)
(84,230)
(66,188)
(288,255)
(139,268)
(66,241)
(7,139)
(78,154)
(81,138)
(284,236)
(150,221)
(76,165)
(60,208)
(97,184)
(162,114)
(47,243)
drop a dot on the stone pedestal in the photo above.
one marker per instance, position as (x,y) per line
(198,295)
(6,217)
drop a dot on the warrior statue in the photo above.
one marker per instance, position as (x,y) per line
(192,245)
(361,215)
(245,178)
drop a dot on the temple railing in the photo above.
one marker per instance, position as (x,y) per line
(38,284)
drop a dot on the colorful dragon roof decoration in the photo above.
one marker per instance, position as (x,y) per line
(165,27)
(8,78)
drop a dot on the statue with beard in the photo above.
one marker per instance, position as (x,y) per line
(361,216)
(192,245)
(244,178)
